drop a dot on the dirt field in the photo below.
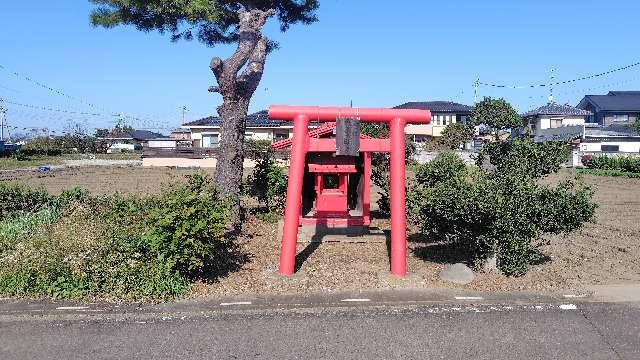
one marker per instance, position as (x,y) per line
(98,179)
(603,253)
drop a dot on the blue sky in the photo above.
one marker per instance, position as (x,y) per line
(364,51)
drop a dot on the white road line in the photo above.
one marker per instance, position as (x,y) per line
(355,300)
(236,303)
(469,298)
(572,296)
(72,308)
(568,307)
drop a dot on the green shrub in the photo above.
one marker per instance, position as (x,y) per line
(27,223)
(15,197)
(618,163)
(43,146)
(455,135)
(186,229)
(268,183)
(118,246)
(503,212)
(523,157)
(255,149)
(444,167)
(612,173)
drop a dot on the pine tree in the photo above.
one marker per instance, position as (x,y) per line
(215,22)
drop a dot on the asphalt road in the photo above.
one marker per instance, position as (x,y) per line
(358,330)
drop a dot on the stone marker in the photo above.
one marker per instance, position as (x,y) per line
(491,263)
(457,274)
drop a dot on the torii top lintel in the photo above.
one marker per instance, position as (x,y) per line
(330,114)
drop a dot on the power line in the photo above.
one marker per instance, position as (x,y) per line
(47,108)
(627,67)
(28,78)
(47,87)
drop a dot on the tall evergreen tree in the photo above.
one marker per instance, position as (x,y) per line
(215,22)
(497,114)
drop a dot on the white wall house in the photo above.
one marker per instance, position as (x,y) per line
(553,119)
(615,138)
(443,113)
(205,133)
(566,123)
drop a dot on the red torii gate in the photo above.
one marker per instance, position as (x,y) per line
(302,144)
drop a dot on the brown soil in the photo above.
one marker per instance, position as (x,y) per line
(98,179)
(603,253)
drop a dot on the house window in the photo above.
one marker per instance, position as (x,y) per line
(210,141)
(620,118)
(280,135)
(610,148)
(555,123)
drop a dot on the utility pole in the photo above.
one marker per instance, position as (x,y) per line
(3,113)
(553,78)
(476,84)
(184,112)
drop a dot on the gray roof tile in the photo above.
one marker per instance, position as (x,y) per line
(437,106)
(624,101)
(258,119)
(556,109)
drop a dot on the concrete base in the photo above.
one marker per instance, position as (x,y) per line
(352,234)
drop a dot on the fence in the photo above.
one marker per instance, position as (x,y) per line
(201,153)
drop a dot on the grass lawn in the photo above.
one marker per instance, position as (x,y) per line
(612,173)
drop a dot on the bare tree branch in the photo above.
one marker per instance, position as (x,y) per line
(217,66)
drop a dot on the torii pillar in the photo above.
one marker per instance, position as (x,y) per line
(396,119)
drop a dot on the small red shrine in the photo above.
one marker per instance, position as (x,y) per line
(337,188)
(330,173)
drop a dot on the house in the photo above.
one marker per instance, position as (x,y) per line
(180,134)
(205,132)
(129,140)
(163,142)
(555,121)
(614,138)
(178,138)
(615,107)
(443,113)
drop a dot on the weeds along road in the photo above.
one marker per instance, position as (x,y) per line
(358,331)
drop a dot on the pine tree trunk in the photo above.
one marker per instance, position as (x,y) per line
(229,169)
(238,78)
